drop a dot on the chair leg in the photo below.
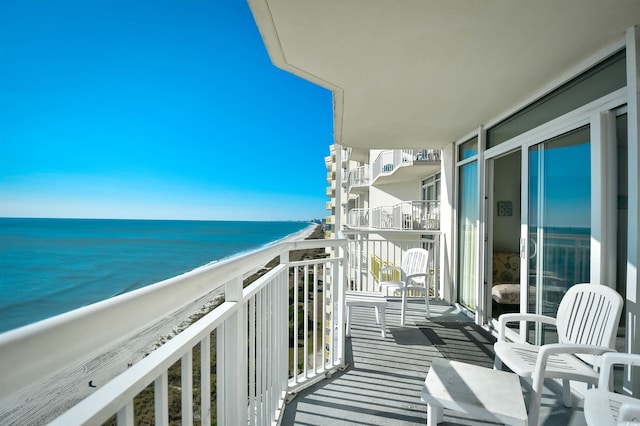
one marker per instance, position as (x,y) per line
(348,321)
(426,303)
(497,363)
(536,395)
(534,407)
(404,307)
(566,393)
(434,414)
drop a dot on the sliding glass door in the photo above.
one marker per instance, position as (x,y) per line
(468,235)
(559,221)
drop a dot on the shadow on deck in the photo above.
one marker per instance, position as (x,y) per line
(384,379)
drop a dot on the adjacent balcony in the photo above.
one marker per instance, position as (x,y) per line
(395,165)
(270,350)
(407,215)
(359,179)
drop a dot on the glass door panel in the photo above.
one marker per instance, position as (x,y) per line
(559,221)
(468,235)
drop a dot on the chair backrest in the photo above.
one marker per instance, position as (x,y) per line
(415,260)
(589,314)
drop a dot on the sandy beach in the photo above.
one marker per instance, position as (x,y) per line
(41,403)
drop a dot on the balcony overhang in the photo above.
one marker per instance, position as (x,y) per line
(418,73)
(408,173)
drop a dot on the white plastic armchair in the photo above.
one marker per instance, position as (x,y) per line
(414,276)
(603,407)
(586,323)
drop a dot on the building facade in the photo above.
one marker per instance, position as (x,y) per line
(538,132)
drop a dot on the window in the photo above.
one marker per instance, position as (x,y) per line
(604,78)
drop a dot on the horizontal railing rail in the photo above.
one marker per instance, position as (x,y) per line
(254,321)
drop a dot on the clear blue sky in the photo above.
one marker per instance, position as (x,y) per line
(154,109)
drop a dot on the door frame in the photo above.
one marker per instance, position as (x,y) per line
(600,116)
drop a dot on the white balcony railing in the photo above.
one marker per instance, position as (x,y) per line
(389,161)
(382,217)
(359,218)
(359,176)
(253,331)
(296,305)
(368,254)
(407,215)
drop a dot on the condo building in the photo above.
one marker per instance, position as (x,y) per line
(535,134)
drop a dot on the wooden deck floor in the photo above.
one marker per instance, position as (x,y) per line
(383,381)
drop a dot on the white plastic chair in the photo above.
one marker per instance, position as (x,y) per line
(414,276)
(603,407)
(586,324)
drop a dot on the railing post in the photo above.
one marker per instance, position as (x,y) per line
(235,358)
(341,277)
(283,349)
(283,352)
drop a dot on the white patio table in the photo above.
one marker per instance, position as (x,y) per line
(484,393)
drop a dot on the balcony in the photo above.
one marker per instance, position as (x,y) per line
(331,204)
(384,378)
(396,165)
(371,380)
(407,215)
(359,179)
(331,191)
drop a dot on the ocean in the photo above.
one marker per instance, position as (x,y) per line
(51,266)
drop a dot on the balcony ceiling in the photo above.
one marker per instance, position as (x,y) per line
(424,73)
(408,173)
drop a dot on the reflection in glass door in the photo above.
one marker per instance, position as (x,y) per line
(559,220)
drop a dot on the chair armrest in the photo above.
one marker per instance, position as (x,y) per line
(507,318)
(629,412)
(418,274)
(389,268)
(562,348)
(609,360)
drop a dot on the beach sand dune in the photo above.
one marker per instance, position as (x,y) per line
(43,402)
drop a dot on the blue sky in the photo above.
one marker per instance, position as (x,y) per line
(159,109)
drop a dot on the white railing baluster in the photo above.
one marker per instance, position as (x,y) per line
(221,375)
(305,321)
(315,318)
(269,369)
(295,325)
(324,316)
(186,368)
(205,381)
(125,415)
(264,339)
(161,397)
(283,350)
(340,279)
(252,361)
(234,344)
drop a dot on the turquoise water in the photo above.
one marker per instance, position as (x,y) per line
(50,266)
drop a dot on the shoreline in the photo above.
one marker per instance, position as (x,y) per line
(40,403)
